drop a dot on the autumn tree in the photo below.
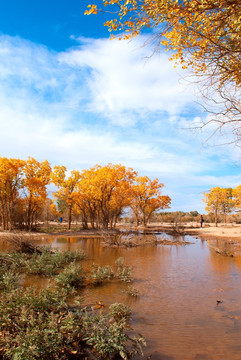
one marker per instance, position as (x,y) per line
(103,193)
(85,204)
(11,181)
(219,201)
(204,35)
(237,197)
(121,198)
(84,199)
(228,203)
(99,194)
(19,213)
(67,186)
(49,211)
(147,198)
(36,179)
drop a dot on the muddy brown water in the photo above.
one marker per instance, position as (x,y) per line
(177,310)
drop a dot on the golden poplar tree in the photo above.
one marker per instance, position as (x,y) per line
(67,186)
(147,198)
(11,172)
(237,197)
(36,179)
(103,193)
(218,201)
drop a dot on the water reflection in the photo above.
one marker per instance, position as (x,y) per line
(230,249)
(177,310)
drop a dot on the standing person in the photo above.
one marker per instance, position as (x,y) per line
(201,221)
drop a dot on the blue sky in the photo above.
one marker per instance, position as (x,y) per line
(70,95)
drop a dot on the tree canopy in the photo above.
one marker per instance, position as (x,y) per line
(202,33)
(222,201)
(98,195)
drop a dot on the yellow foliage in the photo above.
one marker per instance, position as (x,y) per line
(104,191)
(219,200)
(36,178)
(67,186)
(99,194)
(201,32)
(146,197)
(11,172)
(237,197)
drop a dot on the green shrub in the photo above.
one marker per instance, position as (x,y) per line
(132,291)
(41,326)
(73,276)
(123,272)
(13,261)
(75,255)
(8,280)
(10,266)
(37,325)
(49,263)
(119,311)
(109,337)
(101,273)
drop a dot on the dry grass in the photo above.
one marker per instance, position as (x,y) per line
(23,243)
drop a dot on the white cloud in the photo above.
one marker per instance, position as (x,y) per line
(55,106)
(124,80)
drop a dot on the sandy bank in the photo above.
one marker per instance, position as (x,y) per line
(222,232)
(229,232)
(59,233)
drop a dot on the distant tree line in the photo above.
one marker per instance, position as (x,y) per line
(174,216)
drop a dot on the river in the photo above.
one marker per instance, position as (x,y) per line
(189,306)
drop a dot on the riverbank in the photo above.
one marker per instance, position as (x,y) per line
(55,231)
(225,232)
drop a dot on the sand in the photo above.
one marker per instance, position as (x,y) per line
(224,232)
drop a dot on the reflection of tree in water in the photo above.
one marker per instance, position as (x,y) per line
(220,263)
(224,255)
(237,260)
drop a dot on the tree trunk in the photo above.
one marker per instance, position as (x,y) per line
(70,218)
(29,213)
(225,218)
(92,219)
(84,221)
(216,218)
(3,215)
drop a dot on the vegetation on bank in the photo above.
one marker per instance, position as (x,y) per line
(183,217)
(222,201)
(51,324)
(98,195)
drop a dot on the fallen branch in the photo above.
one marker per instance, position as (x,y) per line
(23,243)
